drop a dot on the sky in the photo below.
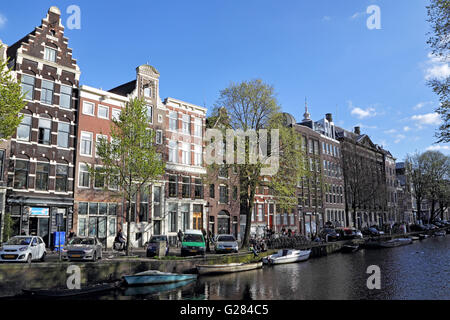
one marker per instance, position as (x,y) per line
(321,50)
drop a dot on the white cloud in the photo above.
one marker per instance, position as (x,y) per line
(427,119)
(365,126)
(362,114)
(399,138)
(437,68)
(420,105)
(3,20)
(326,18)
(443,148)
(391,131)
(356,15)
(406,128)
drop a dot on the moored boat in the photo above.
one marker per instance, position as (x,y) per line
(388,244)
(287,256)
(423,236)
(156,288)
(439,234)
(415,238)
(349,248)
(227,268)
(156,277)
(62,293)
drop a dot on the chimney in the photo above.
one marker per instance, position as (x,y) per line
(329,117)
(358,130)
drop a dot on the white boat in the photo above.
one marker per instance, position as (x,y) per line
(227,268)
(287,256)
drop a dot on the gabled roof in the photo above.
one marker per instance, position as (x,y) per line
(124,89)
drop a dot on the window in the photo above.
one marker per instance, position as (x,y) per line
(42,170)
(186,124)
(93,208)
(311,146)
(88,108)
(114,181)
(185,153)
(173,151)
(158,137)
(185,216)
(173,186)
(198,127)
(61,178)
(98,138)
(111,227)
(84,178)
(65,97)
(223,171)
(198,155)
(50,54)
(235,193)
(223,194)
(212,191)
(186,187)
(115,114)
(82,208)
(27,84)
(2,160)
(173,119)
(24,129)
(86,144)
(173,217)
(316,147)
(63,134)
(45,127)
(156,201)
(82,227)
(103,112)
(47,92)
(150,113)
(99,178)
(143,210)
(198,192)
(148,92)
(21,174)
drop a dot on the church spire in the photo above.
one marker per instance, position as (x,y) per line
(306,115)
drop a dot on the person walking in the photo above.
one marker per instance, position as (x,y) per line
(180,237)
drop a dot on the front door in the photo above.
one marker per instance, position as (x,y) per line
(223,223)
(197,221)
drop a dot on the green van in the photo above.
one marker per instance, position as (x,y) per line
(193,243)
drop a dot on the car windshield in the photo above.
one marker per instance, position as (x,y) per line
(226,238)
(87,241)
(19,241)
(193,238)
(158,239)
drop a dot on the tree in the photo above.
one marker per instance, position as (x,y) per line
(251,106)
(11,100)
(439,18)
(415,169)
(130,160)
(436,169)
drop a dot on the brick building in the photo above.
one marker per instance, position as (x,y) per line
(42,152)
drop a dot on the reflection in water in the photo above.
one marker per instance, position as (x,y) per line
(417,271)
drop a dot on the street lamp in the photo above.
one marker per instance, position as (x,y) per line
(208,249)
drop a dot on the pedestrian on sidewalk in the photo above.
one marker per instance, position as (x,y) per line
(180,238)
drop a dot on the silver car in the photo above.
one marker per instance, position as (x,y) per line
(83,249)
(225,243)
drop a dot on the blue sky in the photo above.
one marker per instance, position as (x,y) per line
(319,49)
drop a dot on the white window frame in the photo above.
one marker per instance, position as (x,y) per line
(97,139)
(173,151)
(159,134)
(185,153)
(198,152)
(198,127)
(79,176)
(86,133)
(93,108)
(172,118)
(113,112)
(107,112)
(47,55)
(186,124)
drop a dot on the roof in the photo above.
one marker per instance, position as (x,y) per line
(124,89)
(194,232)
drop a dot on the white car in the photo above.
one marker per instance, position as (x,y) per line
(23,249)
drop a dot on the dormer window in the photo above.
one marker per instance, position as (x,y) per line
(147,92)
(53,32)
(50,54)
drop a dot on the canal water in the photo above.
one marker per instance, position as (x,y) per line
(417,271)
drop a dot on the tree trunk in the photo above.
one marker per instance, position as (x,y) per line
(128,226)
(248,218)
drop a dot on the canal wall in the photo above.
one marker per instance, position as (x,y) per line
(47,275)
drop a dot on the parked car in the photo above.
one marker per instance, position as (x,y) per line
(372,231)
(82,249)
(23,249)
(329,234)
(226,243)
(418,227)
(193,243)
(347,233)
(153,244)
